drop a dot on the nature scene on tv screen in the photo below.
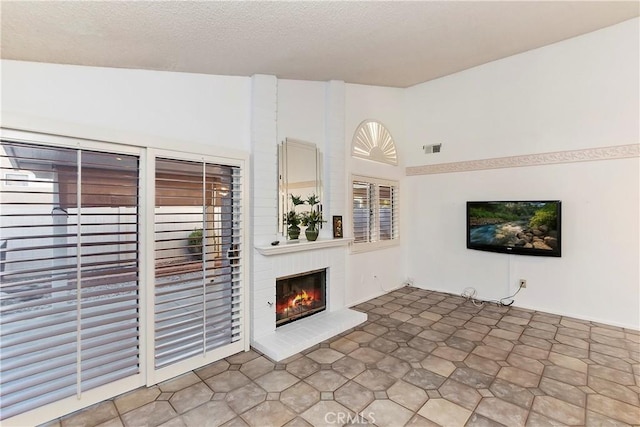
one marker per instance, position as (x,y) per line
(530,225)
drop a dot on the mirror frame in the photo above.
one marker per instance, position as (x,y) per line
(314,159)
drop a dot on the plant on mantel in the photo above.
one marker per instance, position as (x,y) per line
(309,219)
(312,218)
(293,218)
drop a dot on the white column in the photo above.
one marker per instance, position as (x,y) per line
(264,209)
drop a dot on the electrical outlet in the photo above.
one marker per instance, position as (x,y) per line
(523,283)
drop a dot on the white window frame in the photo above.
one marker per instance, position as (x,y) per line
(147,375)
(376,243)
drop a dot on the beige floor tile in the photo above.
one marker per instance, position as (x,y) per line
(348,367)
(395,367)
(407,395)
(297,422)
(178,383)
(303,367)
(518,376)
(614,390)
(450,353)
(326,380)
(559,410)
(135,399)
(235,422)
(276,381)
(383,345)
(242,357)
(191,397)
(563,391)
(525,363)
(344,345)
(611,374)
(387,413)
(227,381)
(174,422)
(94,415)
(613,409)
(367,355)
(423,378)
(565,375)
(269,413)
(445,413)
(463,395)
(472,378)
(353,396)
(300,397)
(503,412)
(327,413)
(375,380)
(151,414)
(360,337)
(482,364)
(325,355)
(245,397)
(568,362)
(211,414)
(438,365)
(490,352)
(257,367)
(512,393)
(212,369)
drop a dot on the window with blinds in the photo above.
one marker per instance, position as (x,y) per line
(375,213)
(197,258)
(69,263)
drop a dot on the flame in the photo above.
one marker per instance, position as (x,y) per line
(300,301)
(302,298)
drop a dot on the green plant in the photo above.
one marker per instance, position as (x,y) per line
(292,217)
(195,242)
(312,217)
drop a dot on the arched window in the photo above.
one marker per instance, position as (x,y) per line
(372,141)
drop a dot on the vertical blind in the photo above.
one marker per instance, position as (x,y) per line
(69,266)
(197,258)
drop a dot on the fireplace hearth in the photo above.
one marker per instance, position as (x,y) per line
(300,295)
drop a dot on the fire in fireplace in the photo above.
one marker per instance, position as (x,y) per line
(300,296)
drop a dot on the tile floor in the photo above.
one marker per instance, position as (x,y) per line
(422,359)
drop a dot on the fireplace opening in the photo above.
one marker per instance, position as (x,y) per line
(300,296)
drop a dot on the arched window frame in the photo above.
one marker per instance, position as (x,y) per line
(372,141)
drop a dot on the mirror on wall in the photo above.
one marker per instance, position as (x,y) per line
(299,173)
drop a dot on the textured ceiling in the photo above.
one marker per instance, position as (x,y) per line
(389,43)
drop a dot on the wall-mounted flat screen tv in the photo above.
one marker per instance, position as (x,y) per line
(515,227)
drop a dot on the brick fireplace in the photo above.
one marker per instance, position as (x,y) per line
(293,260)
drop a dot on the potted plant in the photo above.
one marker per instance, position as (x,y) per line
(293,218)
(312,218)
(195,243)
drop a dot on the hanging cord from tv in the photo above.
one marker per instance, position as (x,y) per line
(470,295)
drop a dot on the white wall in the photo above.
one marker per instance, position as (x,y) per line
(387,265)
(301,111)
(574,95)
(122,105)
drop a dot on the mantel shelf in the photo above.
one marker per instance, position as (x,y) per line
(302,245)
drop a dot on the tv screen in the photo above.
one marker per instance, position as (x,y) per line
(515,227)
